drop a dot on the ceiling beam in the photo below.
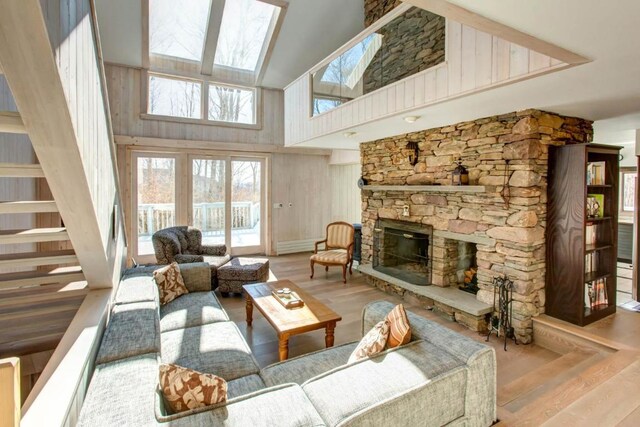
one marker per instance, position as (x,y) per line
(182,144)
(272,36)
(35,81)
(479,22)
(211,40)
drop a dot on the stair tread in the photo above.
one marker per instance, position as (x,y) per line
(36,255)
(25,206)
(60,271)
(33,235)
(25,170)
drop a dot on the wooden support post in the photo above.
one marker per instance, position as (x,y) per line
(10,392)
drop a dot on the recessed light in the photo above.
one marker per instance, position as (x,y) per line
(350,134)
(411,119)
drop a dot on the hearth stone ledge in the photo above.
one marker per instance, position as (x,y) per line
(452,303)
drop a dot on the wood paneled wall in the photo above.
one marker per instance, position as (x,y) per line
(346,200)
(304,181)
(125,92)
(15,148)
(475,61)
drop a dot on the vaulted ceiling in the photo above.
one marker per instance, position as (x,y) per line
(311,30)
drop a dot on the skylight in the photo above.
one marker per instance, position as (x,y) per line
(243,33)
(177,28)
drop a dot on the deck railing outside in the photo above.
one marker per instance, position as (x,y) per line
(208,217)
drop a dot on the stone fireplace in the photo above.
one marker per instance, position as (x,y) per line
(497,222)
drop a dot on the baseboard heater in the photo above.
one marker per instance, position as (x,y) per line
(295,246)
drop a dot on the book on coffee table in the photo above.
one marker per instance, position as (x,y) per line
(288,300)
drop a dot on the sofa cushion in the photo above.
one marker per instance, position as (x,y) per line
(399,327)
(192,309)
(216,348)
(137,288)
(184,389)
(170,283)
(285,406)
(134,329)
(196,276)
(245,385)
(353,390)
(122,393)
(372,343)
(302,368)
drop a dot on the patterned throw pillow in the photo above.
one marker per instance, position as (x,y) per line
(400,329)
(170,283)
(186,389)
(372,343)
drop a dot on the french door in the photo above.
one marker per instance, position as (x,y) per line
(227,201)
(223,196)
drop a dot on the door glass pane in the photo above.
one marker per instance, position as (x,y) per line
(208,199)
(245,203)
(156,199)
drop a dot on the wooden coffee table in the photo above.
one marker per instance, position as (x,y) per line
(288,322)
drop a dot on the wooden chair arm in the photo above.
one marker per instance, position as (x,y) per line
(315,250)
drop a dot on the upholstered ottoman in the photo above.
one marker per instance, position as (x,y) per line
(241,271)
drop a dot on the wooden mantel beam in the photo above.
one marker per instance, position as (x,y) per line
(466,17)
(36,84)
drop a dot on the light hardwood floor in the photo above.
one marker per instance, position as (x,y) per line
(580,383)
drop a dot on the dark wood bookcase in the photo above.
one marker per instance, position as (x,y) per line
(567,249)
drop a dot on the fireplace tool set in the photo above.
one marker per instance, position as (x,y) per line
(501,322)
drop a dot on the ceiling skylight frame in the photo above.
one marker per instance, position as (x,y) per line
(207,67)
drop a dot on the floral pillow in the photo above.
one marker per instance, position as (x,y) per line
(400,329)
(372,343)
(170,283)
(186,389)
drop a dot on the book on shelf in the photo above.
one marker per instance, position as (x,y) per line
(595,173)
(596,296)
(591,262)
(591,233)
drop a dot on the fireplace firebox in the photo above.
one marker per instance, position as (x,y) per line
(403,250)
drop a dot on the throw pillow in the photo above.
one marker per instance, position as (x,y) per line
(400,329)
(372,343)
(170,283)
(186,389)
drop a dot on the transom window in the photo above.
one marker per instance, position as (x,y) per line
(173,96)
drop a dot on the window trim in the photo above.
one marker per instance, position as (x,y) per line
(204,103)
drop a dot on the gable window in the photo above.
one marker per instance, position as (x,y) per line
(231,104)
(174,97)
(177,28)
(243,33)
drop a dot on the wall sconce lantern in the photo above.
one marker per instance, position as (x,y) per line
(460,175)
(413,158)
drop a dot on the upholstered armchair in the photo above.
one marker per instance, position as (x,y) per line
(183,245)
(338,248)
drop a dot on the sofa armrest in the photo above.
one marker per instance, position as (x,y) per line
(213,250)
(456,344)
(285,405)
(185,259)
(196,276)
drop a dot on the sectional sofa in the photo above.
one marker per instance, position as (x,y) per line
(439,378)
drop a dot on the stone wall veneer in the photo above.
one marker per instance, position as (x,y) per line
(484,146)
